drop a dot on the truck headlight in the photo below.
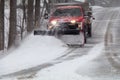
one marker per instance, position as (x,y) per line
(54,22)
(73,21)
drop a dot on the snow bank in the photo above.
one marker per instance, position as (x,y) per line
(80,0)
(68,70)
(63,76)
(34,51)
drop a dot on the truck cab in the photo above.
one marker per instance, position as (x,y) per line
(70,18)
(67,17)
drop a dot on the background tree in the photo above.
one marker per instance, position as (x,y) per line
(24,18)
(13,20)
(1,24)
(37,13)
(30,24)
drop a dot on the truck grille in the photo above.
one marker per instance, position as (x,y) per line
(68,25)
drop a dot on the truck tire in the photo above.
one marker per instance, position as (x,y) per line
(89,31)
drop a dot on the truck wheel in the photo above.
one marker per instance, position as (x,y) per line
(89,31)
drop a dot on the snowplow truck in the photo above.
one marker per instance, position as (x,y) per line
(70,22)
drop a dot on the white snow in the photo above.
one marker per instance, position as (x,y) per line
(80,0)
(34,51)
(68,70)
(97,7)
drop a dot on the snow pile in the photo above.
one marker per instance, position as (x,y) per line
(69,70)
(80,0)
(34,51)
(63,76)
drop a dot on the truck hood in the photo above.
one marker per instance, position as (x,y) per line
(66,19)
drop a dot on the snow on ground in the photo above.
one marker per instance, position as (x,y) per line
(68,70)
(80,0)
(97,7)
(34,51)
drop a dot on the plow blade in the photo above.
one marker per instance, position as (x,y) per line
(69,37)
(55,32)
(44,32)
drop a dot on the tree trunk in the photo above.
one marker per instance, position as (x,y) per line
(30,24)
(1,24)
(24,18)
(12,30)
(37,13)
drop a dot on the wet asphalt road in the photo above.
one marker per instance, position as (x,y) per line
(106,29)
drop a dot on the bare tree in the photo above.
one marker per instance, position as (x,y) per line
(24,17)
(30,24)
(37,13)
(1,24)
(12,30)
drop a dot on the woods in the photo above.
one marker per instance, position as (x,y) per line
(18,18)
(13,20)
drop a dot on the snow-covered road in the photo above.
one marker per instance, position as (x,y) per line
(98,60)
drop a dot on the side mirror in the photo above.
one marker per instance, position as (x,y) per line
(45,16)
(93,18)
(89,13)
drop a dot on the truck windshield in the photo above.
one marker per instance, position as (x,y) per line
(67,12)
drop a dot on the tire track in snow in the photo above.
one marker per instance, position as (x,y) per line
(27,72)
(111,55)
